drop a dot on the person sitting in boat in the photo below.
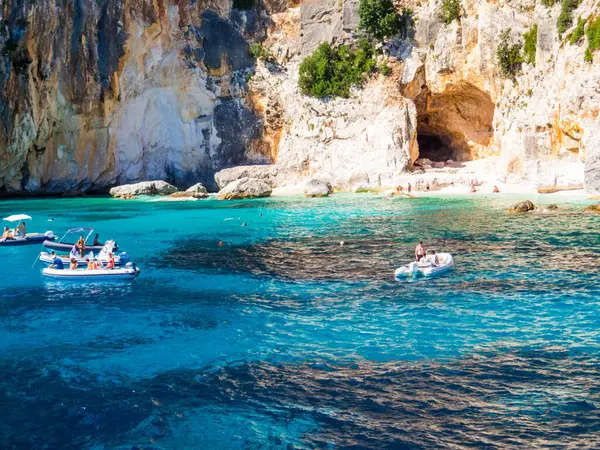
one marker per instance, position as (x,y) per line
(95,265)
(81,245)
(433,258)
(7,234)
(57,264)
(90,265)
(420,251)
(22,229)
(97,240)
(111,261)
(73,265)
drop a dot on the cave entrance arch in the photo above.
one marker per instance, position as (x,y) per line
(455,124)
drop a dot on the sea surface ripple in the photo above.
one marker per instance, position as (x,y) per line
(252,327)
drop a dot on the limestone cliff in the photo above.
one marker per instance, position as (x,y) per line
(95,93)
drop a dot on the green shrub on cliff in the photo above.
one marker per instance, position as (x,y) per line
(578,32)
(379,18)
(593,34)
(549,3)
(259,51)
(332,71)
(508,55)
(530,46)
(449,10)
(565,18)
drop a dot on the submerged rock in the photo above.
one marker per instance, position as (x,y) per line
(592,208)
(245,188)
(521,207)
(158,187)
(552,207)
(317,188)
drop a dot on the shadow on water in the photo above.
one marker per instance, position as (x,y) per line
(502,398)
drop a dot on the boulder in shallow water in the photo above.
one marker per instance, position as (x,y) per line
(158,187)
(522,207)
(266,173)
(552,207)
(196,191)
(317,188)
(592,208)
(245,188)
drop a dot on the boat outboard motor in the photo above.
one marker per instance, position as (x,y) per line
(123,258)
(49,235)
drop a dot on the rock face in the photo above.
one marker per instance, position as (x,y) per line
(262,172)
(522,207)
(317,188)
(592,208)
(245,188)
(197,191)
(144,188)
(94,94)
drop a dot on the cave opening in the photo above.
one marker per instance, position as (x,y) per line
(433,148)
(455,124)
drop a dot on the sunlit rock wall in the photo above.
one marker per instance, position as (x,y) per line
(95,93)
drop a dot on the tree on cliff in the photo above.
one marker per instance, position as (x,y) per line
(379,18)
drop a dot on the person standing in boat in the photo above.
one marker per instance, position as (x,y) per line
(420,251)
(81,245)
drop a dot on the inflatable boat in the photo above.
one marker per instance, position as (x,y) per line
(109,247)
(129,272)
(63,246)
(29,238)
(426,267)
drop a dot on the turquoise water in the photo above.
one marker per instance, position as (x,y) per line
(282,338)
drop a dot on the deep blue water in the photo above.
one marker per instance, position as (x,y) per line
(280,338)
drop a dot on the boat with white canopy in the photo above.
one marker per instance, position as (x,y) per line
(109,247)
(19,236)
(65,246)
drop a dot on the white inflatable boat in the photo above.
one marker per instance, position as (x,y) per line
(109,247)
(427,267)
(128,272)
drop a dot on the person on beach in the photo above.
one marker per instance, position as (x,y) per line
(420,251)
(427,187)
(73,265)
(496,190)
(81,245)
(399,189)
(409,188)
(97,240)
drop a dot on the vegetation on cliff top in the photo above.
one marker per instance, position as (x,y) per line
(259,51)
(530,46)
(380,20)
(508,55)
(333,71)
(449,10)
